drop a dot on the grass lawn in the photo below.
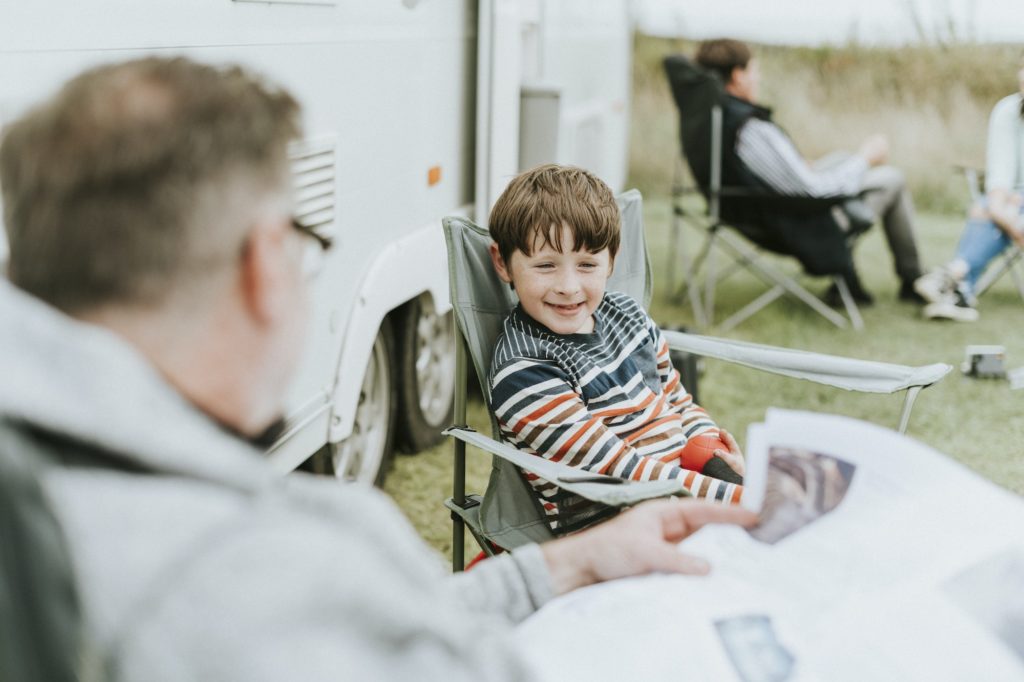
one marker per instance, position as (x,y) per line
(974,421)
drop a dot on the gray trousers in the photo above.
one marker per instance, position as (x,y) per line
(884,189)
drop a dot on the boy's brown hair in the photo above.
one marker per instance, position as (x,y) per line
(537,202)
(722,55)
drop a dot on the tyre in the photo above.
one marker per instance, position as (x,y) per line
(426,360)
(365,456)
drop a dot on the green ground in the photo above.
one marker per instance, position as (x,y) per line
(974,421)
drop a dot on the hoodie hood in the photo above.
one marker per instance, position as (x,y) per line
(86,383)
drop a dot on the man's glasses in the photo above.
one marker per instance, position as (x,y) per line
(317,246)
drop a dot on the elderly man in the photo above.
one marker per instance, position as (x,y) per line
(158,315)
(762,149)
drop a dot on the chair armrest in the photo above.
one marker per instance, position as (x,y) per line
(614,492)
(866,376)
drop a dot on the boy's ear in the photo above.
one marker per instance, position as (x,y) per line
(499,264)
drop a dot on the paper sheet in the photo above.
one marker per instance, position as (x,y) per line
(877,558)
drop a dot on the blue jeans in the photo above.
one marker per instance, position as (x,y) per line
(981,241)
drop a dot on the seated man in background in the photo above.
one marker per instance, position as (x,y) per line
(159,313)
(767,152)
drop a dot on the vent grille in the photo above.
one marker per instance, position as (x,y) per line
(313,175)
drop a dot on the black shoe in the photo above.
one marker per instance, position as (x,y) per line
(909,293)
(861,297)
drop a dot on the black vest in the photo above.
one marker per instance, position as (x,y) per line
(803,228)
(735,114)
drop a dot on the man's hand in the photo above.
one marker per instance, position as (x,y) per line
(640,541)
(734,458)
(875,149)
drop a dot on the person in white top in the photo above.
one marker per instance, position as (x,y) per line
(993,222)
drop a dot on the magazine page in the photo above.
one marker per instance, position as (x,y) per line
(876,558)
(969,625)
(862,505)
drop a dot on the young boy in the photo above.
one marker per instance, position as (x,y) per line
(582,376)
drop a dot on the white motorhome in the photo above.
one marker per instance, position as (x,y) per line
(414,109)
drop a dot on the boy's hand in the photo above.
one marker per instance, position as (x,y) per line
(642,540)
(734,458)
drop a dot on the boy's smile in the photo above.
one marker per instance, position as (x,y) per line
(561,290)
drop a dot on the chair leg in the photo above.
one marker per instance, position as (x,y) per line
(458,542)
(990,277)
(1015,272)
(732,268)
(771,277)
(710,279)
(673,249)
(908,406)
(751,308)
(849,304)
(459,463)
(691,286)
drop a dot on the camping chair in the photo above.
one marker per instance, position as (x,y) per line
(802,227)
(1010,260)
(508,514)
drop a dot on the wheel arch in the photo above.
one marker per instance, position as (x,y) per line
(404,270)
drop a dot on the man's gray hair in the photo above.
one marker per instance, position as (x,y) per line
(125,186)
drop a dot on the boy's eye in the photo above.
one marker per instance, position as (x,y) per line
(588,266)
(544,266)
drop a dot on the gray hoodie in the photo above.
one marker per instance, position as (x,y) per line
(194,561)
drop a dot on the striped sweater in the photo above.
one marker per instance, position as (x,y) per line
(608,402)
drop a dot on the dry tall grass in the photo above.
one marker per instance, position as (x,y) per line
(932,102)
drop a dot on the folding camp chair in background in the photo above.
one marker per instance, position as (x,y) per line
(508,514)
(1010,259)
(798,226)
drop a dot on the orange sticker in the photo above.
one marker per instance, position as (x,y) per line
(433,175)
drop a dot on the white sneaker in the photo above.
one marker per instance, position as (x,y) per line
(954,306)
(935,286)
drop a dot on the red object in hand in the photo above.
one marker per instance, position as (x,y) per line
(699,450)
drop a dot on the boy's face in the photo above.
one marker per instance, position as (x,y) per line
(559,290)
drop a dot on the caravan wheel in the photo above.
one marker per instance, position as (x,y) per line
(365,456)
(427,362)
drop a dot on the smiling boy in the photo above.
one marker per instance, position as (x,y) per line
(580,375)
